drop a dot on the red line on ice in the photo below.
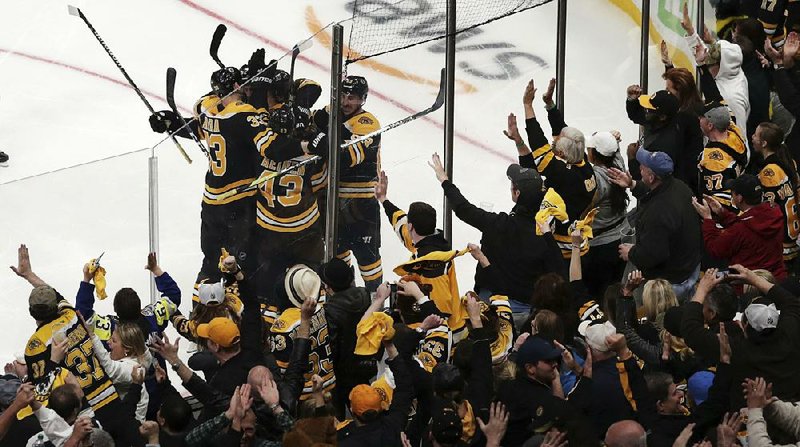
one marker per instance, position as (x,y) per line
(86,72)
(322,67)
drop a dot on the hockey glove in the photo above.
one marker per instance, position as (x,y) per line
(302,123)
(164,120)
(256,62)
(320,119)
(318,145)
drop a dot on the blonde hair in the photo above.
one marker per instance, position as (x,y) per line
(762,273)
(657,297)
(572,145)
(131,338)
(677,345)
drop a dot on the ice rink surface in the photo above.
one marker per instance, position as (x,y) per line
(64,103)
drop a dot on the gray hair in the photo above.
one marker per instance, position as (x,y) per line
(571,144)
(101,438)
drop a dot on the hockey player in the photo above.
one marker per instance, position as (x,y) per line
(359,227)
(287,214)
(235,132)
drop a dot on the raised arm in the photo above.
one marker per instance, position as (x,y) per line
(469,213)
(23,268)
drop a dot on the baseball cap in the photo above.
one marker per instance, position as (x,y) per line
(761,316)
(605,143)
(364,398)
(222,331)
(211,294)
(596,334)
(698,385)
(43,302)
(524,178)
(658,162)
(746,185)
(446,426)
(301,283)
(536,349)
(661,101)
(718,114)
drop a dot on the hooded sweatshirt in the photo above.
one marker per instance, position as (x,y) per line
(607,222)
(753,239)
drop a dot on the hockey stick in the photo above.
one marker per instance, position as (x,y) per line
(216,40)
(171,75)
(436,105)
(78,13)
(265,178)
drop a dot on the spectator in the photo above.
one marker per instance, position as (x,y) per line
(371,426)
(531,399)
(564,164)
(626,433)
(344,306)
(767,412)
(713,304)
(509,241)
(754,238)
(602,265)
(174,420)
(749,34)
(673,416)
(667,231)
(787,83)
(431,255)
(779,179)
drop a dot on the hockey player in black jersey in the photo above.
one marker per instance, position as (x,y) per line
(235,133)
(287,216)
(359,211)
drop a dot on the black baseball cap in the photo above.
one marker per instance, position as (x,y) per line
(524,178)
(661,101)
(746,185)
(536,349)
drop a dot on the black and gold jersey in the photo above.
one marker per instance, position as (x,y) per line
(360,162)
(721,161)
(772,14)
(282,335)
(778,190)
(80,359)
(235,134)
(285,204)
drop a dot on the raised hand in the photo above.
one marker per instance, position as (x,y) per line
(726,431)
(665,59)
(438,168)
(713,204)
(686,21)
(495,429)
(758,393)
(568,358)
(529,94)
(634,91)
(702,209)
(82,428)
(152,265)
(381,186)
(512,131)
(790,48)
(59,350)
(23,268)
(635,279)
(620,178)
(554,438)
(724,345)
(268,391)
(166,349)
(431,321)
(708,38)
(149,431)
(548,94)
(772,54)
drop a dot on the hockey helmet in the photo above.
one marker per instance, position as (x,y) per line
(224,80)
(355,85)
(281,120)
(280,85)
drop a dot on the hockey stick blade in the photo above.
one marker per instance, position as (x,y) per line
(171,75)
(77,12)
(265,178)
(216,40)
(437,104)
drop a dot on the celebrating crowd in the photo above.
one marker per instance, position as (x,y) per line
(645,296)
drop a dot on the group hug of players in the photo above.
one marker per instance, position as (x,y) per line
(258,121)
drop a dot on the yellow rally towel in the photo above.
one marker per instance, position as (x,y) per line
(585,224)
(99,279)
(553,207)
(371,331)
(222,257)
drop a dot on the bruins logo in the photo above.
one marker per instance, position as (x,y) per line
(279,324)
(34,344)
(768,172)
(365,120)
(715,155)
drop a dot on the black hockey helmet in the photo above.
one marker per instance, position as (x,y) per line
(355,85)
(224,80)
(281,119)
(280,85)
